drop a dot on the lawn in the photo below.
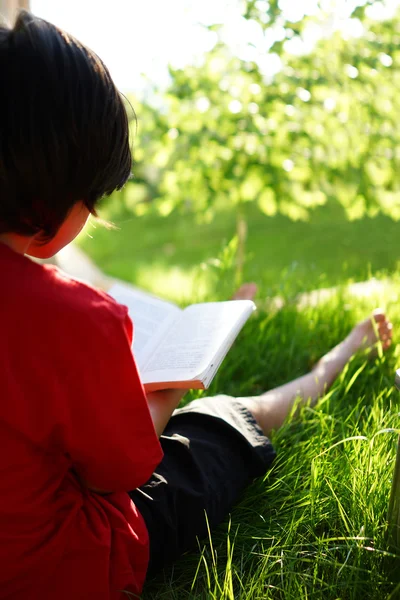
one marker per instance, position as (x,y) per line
(315,526)
(164,254)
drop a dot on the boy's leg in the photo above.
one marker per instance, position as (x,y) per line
(272,408)
(214,447)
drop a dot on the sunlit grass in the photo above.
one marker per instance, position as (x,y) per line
(315,525)
(322,252)
(174,283)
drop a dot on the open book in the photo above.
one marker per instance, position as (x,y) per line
(177,348)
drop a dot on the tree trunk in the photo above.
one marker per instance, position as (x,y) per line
(9,9)
(241,232)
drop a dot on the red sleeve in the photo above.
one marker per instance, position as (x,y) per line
(108,430)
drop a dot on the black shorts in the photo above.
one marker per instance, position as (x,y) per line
(213,448)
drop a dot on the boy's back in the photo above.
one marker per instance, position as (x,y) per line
(72,409)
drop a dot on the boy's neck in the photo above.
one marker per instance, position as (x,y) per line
(18,243)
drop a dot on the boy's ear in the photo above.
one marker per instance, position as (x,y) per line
(41,251)
(70,228)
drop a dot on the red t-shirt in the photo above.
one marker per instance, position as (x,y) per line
(71,402)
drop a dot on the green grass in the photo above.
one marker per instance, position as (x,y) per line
(164,254)
(315,526)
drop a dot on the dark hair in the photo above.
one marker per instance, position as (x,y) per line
(64,132)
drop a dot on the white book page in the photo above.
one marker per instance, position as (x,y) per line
(197,336)
(151,318)
(208,375)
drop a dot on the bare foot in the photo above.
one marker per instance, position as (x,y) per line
(377,328)
(272,408)
(247,291)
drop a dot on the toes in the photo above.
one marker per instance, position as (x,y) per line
(384,326)
(385,330)
(251,288)
(379,315)
(247,291)
(377,328)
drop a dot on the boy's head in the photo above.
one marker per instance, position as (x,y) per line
(64,140)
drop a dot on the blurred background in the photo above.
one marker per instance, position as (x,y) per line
(266,140)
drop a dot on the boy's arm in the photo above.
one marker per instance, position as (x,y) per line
(106,424)
(161,405)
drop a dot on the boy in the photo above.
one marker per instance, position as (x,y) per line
(90,500)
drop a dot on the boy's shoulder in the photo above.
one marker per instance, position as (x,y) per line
(78,303)
(44,291)
(76,295)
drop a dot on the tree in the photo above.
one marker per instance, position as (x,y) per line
(325,128)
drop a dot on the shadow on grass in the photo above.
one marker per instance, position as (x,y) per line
(314,526)
(324,251)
